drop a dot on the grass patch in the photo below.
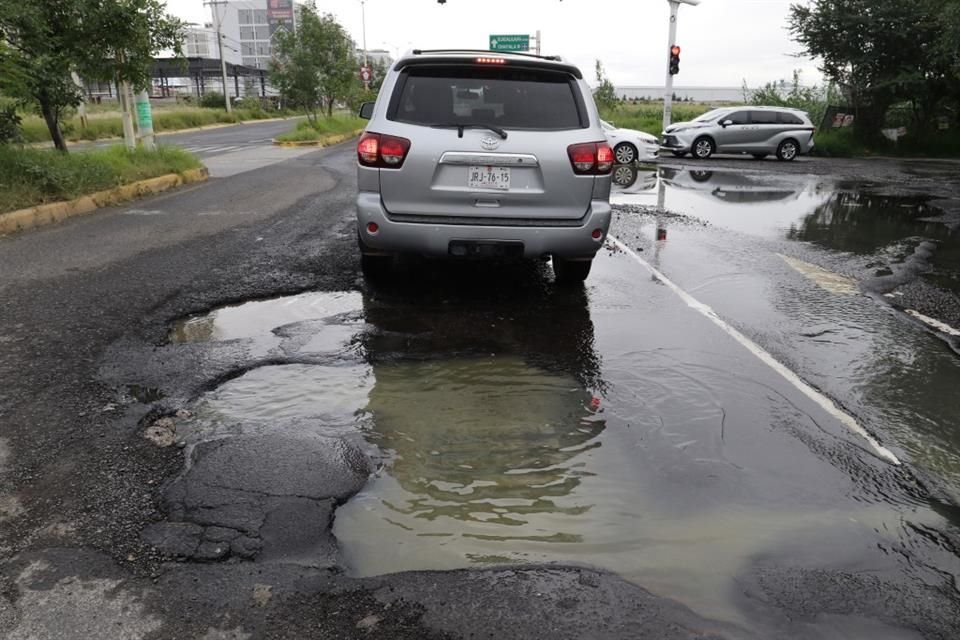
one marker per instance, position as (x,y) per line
(109,124)
(311,131)
(29,177)
(649,117)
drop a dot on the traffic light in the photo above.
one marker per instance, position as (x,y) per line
(674,60)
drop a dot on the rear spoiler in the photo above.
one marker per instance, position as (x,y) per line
(423,58)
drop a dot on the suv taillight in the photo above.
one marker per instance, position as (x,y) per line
(382,151)
(591,158)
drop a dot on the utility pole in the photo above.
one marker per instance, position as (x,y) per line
(363,18)
(671,42)
(539,48)
(223,63)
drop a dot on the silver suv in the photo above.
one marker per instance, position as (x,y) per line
(758,131)
(474,154)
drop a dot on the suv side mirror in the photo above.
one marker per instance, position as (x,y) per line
(366,110)
(726,123)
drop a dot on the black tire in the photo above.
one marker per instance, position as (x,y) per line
(788,150)
(759,156)
(625,153)
(571,272)
(679,154)
(703,147)
(699,175)
(375,267)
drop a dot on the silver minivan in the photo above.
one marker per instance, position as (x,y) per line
(758,131)
(474,154)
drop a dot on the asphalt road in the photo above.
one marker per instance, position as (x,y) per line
(470,451)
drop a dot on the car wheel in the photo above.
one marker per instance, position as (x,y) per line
(703,148)
(571,272)
(375,267)
(625,153)
(759,156)
(701,176)
(679,154)
(788,150)
(624,176)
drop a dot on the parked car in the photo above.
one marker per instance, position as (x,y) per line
(483,155)
(758,131)
(629,145)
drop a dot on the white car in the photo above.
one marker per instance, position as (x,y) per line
(631,146)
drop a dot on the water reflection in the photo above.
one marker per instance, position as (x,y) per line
(731,187)
(862,223)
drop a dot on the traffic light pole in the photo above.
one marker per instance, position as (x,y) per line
(668,85)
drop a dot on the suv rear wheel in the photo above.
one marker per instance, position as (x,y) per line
(788,150)
(703,148)
(374,267)
(571,271)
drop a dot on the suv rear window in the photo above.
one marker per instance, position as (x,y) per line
(504,97)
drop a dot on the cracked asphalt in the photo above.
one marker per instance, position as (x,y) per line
(229,534)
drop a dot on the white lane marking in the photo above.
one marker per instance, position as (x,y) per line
(823,401)
(943,327)
(828,280)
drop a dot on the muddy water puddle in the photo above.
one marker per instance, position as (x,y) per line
(605,436)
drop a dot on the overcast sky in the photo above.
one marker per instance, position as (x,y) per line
(724,42)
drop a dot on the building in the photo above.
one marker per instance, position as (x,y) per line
(202,43)
(693,94)
(376,57)
(249,26)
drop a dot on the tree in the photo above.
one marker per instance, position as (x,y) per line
(316,65)
(879,52)
(99,39)
(812,99)
(605,94)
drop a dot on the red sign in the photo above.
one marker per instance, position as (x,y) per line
(366,74)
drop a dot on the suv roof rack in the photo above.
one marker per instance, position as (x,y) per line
(418,52)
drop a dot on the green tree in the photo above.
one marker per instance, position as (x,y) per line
(879,52)
(605,94)
(812,99)
(315,66)
(99,39)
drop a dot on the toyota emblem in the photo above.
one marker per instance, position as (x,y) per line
(489,143)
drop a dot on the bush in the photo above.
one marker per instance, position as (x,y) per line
(10,124)
(213,100)
(649,117)
(33,176)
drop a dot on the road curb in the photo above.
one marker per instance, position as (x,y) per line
(44,214)
(322,142)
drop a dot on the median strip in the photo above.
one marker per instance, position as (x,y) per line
(324,141)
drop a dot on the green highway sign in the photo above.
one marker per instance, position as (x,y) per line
(510,43)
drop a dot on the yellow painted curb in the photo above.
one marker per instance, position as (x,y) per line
(322,142)
(53,212)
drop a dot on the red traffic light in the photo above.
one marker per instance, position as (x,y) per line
(675,50)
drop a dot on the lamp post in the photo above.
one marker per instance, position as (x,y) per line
(363,18)
(672,42)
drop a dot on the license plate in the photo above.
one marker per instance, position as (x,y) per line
(489,178)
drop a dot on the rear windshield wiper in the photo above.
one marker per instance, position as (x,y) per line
(460,127)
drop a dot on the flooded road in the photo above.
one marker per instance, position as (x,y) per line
(514,422)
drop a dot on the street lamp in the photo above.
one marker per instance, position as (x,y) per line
(673,52)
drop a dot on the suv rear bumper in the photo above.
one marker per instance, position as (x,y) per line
(433,239)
